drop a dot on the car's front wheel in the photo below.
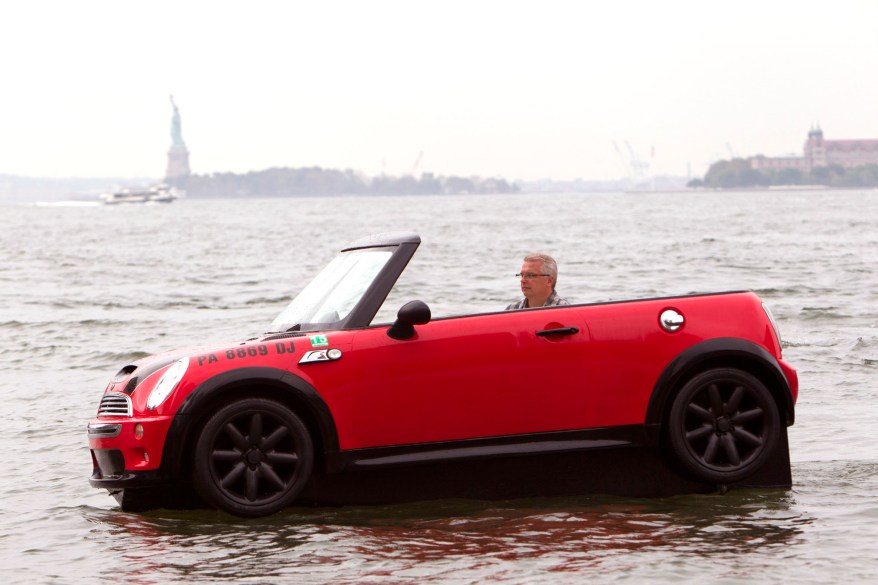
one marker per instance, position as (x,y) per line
(723,425)
(252,458)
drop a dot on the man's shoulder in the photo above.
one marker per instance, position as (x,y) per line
(555,300)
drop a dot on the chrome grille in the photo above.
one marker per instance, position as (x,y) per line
(115,404)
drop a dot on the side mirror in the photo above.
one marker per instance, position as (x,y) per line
(410,314)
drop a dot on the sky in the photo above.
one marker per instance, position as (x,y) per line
(519,90)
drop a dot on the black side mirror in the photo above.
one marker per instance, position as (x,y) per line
(410,314)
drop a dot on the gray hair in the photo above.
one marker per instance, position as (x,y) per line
(550,267)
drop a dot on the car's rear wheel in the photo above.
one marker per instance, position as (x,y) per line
(723,425)
(252,458)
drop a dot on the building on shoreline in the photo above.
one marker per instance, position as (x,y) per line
(819,152)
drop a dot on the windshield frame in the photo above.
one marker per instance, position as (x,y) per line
(401,246)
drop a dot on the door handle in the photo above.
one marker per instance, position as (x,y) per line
(558,331)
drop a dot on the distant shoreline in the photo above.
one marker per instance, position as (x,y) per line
(32,189)
(312,181)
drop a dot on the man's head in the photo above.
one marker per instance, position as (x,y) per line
(539,274)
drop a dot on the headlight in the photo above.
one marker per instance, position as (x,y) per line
(167,383)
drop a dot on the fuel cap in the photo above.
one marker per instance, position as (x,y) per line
(671,320)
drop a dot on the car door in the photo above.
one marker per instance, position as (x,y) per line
(469,377)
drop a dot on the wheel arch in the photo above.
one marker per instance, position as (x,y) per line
(272,383)
(721,352)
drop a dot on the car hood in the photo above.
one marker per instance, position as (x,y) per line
(143,367)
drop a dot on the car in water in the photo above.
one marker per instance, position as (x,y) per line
(245,425)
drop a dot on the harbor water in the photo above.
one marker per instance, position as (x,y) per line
(86,288)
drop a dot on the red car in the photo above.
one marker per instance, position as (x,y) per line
(326,390)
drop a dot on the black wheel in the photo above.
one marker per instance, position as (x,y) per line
(253,458)
(723,425)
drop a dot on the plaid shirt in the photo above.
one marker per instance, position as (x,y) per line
(552,301)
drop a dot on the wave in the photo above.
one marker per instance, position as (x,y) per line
(830,312)
(68,204)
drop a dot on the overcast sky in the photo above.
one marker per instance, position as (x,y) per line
(522,90)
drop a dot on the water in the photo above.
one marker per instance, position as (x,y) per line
(84,289)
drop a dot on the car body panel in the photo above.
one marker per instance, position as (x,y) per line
(466,378)
(553,379)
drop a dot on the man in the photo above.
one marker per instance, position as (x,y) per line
(538,276)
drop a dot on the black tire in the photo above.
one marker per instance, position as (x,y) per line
(252,458)
(723,425)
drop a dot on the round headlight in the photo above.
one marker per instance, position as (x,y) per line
(167,383)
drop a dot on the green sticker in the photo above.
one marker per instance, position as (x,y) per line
(319,341)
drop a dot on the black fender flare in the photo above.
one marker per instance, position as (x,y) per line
(722,351)
(285,386)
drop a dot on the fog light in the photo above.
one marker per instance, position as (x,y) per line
(138,431)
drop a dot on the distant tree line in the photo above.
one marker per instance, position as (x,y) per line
(286,182)
(728,174)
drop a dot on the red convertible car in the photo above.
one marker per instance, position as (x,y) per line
(326,390)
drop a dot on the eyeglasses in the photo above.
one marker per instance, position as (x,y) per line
(529,275)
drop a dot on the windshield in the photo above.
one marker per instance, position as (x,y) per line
(334,293)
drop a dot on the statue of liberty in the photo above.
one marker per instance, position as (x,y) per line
(178,156)
(176,130)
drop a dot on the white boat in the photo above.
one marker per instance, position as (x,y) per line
(155,194)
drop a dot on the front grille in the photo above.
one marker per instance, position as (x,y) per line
(115,404)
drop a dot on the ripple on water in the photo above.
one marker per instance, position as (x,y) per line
(80,304)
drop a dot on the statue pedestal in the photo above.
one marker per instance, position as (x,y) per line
(178,166)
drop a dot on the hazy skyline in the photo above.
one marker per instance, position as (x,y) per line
(512,89)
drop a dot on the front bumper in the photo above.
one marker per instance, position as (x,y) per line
(127,452)
(109,472)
